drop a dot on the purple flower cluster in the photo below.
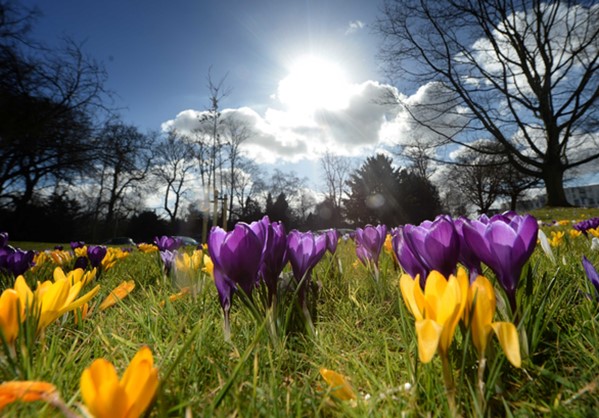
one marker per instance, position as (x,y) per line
(167,246)
(369,242)
(13,260)
(432,245)
(503,242)
(256,253)
(584,226)
(95,255)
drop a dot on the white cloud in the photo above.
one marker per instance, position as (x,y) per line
(282,133)
(354,26)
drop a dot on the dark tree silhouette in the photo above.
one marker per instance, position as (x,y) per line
(419,197)
(279,209)
(525,73)
(374,193)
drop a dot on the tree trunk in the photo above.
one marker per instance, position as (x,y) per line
(554,186)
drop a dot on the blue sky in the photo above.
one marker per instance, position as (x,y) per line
(158,54)
(303,74)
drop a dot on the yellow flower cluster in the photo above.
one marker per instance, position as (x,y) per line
(104,394)
(113,254)
(444,302)
(147,248)
(556,238)
(49,301)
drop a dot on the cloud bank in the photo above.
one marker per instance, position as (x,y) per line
(281,133)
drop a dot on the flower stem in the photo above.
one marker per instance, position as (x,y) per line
(481,382)
(449,385)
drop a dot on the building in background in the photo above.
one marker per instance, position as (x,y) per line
(584,196)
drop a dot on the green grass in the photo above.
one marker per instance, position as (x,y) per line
(364,331)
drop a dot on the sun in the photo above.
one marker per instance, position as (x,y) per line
(314,83)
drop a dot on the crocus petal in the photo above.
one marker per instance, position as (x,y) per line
(121,291)
(59,274)
(481,303)
(591,273)
(101,391)
(140,381)
(9,315)
(25,391)
(412,295)
(340,388)
(508,339)
(81,301)
(429,334)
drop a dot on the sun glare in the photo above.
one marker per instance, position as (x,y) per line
(314,83)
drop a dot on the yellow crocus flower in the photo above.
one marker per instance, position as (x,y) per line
(75,276)
(113,254)
(61,257)
(52,299)
(340,388)
(574,233)
(107,396)
(81,251)
(25,391)
(39,260)
(147,248)
(10,315)
(481,310)
(556,238)
(437,310)
(189,263)
(208,265)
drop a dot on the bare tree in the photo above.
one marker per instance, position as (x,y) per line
(336,170)
(172,167)
(477,179)
(122,166)
(48,102)
(234,132)
(249,183)
(287,183)
(526,72)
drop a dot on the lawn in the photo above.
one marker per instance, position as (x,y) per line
(363,331)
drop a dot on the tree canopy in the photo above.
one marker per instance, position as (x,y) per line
(380,193)
(525,74)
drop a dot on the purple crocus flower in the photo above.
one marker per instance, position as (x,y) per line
(81,263)
(305,251)
(168,258)
(274,257)
(410,262)
(369,243)
(224,286)
(237,254)
(466,256)
(95,254)
(18,261)
(167,243)
(437,243)
(592,274)
(77,244)
(332,240)
(504,243)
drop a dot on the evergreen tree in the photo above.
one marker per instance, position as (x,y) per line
(279,210)
(374,195)
(419,197)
